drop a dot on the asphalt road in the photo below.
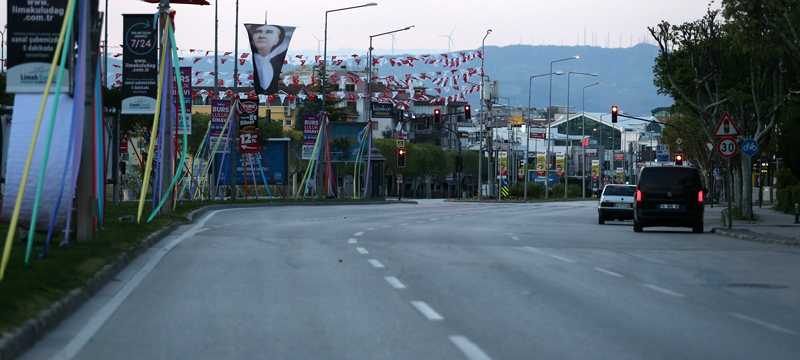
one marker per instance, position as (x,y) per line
(440,281)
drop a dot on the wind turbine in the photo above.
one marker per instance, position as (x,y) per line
(449,40)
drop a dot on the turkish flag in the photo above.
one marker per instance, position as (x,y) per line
(189,2)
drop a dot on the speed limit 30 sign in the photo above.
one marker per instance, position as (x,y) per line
(727,146)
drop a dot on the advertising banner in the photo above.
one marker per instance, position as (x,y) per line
(540,163)
(310,131)
(139,63)
(33,30)
(219,114)
(248,114)
(249,140)
(560,160)
(186,78)
(503,158)
(619,156)
(269,44)
(595,169)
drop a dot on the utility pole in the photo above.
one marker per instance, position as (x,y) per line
(86,203)
(165,146)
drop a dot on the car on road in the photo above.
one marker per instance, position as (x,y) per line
(616,203)
(669,196)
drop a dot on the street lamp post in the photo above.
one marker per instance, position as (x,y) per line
(324,66)
(482,120)
(528,126)
(583,136)
(569,141)
(2,47)
(549,120)
(368,108)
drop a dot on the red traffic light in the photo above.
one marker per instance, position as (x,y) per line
(679,159)
(467,112)
(437,115)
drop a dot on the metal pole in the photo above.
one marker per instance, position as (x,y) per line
(105,47)
(234,163)
(583,136)
(569,142)
(212,179)
(369,122)
(115,157)
(547,152)
(86,202)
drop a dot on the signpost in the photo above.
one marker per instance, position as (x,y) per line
(750,147)
(727,147)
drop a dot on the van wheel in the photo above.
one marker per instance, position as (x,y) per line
(698,228)
(637,227)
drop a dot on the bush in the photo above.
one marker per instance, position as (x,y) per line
(573,191)
(787,197)
(786,179)
(535,191)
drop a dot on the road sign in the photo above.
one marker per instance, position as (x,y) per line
(750,147)
(401,144)
(726,126)
(727,147)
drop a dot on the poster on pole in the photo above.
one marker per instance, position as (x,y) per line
(216,132)
(269,44)
(139,63)
(310,131)
(183,126)
(595,169)
(560,160)
(249,141)
(31,40)
(248,114)
(540,162)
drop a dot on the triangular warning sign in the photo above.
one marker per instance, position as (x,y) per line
(726,126)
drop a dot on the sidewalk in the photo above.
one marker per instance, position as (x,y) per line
(771,226)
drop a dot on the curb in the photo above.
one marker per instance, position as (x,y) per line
(755,237)
(18,340)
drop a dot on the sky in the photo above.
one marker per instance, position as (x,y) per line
(534,22)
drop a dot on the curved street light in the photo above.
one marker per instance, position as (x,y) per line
(549,120)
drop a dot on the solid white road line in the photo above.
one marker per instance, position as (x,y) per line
(362,251)
(765,324)
(427,311)
(352,241)
(515,238)
(376,264)
(663,290)
(100,317)
(395,282)
(609,272)
(358,233)
(560,258)
(470,350)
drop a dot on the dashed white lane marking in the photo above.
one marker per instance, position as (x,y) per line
(560,258)
(395,282)
(516,238)
(427,311)
(470,350)
(362,251)
(404,224)
(663,290)
(376,264)
(358,234)
(434,219)
(371,229)
(609,272)
(765,324)
(352,241)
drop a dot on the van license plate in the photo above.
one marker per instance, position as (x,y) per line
(670,206)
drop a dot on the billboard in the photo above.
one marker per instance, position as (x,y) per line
(33,31)
(540,164)
(538,133)
(274,162)
(269,44)
(139,63)
(560,162)
(595,169)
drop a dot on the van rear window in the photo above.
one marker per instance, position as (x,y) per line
(669,177)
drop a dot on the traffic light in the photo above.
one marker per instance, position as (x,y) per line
(679,159)
(401,158)
(614,113)
(437,115)
(467,112)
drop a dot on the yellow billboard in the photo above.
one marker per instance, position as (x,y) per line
(560,160)
(595,168)
(540,164)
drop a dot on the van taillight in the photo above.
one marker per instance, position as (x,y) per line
(638,196)
(700,197)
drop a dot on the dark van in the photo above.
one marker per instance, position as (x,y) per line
(669,196)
